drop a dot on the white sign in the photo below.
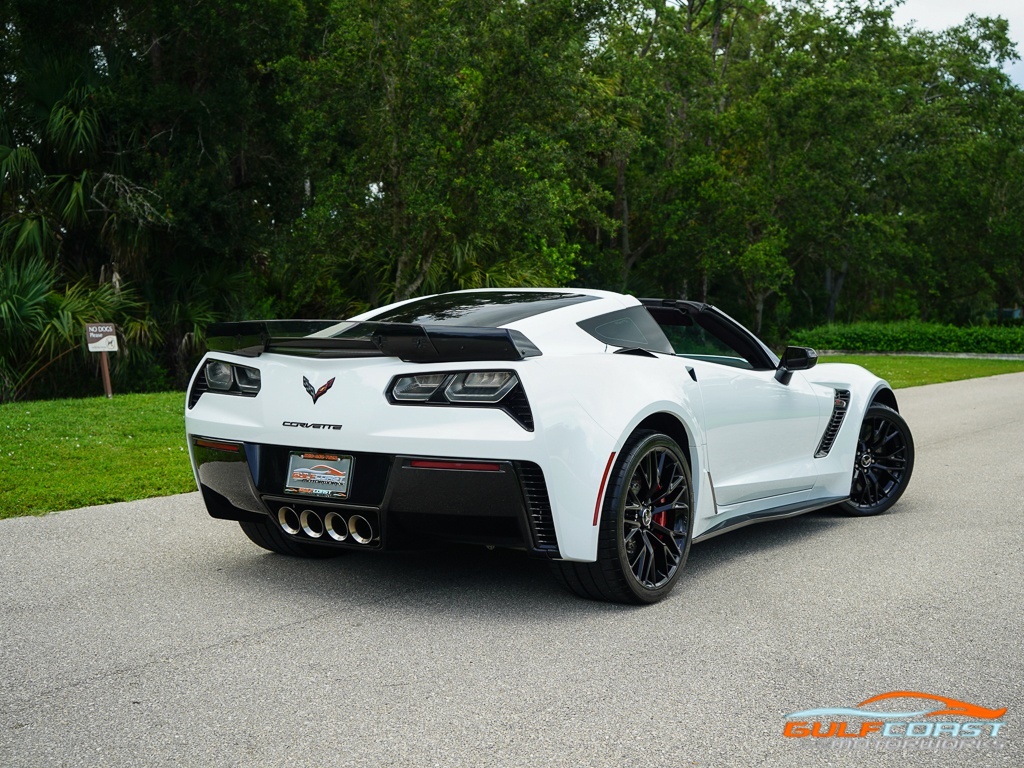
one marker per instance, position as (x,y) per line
(102,337)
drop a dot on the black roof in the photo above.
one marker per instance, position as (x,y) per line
(481,309)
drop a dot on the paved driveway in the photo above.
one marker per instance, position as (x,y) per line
(148,634)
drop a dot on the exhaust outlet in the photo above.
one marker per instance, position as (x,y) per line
(288,519)
(336,526)
(312,524)
(360,528)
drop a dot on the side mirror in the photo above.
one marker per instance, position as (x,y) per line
(795,359)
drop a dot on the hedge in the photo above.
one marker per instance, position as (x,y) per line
(912,337)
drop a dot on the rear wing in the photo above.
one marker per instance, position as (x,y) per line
(338,339)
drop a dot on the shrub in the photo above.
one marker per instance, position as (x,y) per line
(912,337)
(42,328)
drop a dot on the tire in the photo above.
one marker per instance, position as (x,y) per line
(883,465)
(270,536)
(645,530)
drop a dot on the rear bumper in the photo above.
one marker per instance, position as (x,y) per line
(404,500)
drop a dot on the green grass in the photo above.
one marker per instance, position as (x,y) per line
(912,371)
(63,454)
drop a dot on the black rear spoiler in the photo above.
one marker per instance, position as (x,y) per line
(409,342)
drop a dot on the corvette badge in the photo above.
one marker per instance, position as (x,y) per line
(316,394)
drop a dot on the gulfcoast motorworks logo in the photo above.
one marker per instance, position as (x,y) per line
(920,726)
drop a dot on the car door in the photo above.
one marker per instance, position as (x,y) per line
(761,433)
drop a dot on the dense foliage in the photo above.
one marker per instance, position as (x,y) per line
(910,336)
(796,163)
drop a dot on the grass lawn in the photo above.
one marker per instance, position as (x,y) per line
(64,454)
(912,370)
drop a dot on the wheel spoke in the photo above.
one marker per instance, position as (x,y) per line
(883,459)
(646,577)
(655,517)
(661,470)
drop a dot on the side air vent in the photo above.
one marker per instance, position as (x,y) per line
(538,507)
(842,401)
(198,388)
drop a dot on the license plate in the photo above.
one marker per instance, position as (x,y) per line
(326,475)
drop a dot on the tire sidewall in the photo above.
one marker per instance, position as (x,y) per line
(613,515)
(877,410)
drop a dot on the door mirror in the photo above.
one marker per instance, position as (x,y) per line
(795,359)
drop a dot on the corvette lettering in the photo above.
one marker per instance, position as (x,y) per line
(308,425)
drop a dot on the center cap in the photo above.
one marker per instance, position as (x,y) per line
(647,517)
(866,460)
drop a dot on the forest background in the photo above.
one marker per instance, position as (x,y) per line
(167,164)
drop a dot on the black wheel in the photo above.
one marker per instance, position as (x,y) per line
(884,462)
(645,529)
(269,536)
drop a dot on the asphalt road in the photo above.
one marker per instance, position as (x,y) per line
(148,634)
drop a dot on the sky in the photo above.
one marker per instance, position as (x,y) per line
(939,14)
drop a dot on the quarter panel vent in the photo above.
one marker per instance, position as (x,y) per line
(842,402)
(538,507)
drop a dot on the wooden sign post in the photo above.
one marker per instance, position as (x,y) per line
(102,338)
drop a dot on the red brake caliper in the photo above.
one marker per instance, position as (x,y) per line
(660,518)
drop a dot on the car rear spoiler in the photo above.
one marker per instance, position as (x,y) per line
(331,338)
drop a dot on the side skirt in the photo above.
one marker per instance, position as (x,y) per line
(776,513)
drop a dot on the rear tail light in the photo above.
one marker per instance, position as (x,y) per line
(417,389)
(231,378)
(480,387)
(483,389)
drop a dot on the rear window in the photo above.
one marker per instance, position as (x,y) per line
(632,328)
(483,309)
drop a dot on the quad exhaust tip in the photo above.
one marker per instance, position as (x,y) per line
(336,526)
(333,524)
(360,528)
(312,524)
(288,519)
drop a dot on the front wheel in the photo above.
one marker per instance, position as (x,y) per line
(646,526)
(884,462)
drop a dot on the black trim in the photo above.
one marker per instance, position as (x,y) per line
(718,324)
(839,408)
(440,344)
(411,343)
(538,507)
(199,387)
(406,505)
(776,513)
(480,309)
(220,507)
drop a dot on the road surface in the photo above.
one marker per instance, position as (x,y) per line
(148,634)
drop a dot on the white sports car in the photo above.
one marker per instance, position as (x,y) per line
(600,431)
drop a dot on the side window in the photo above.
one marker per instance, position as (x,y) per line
(689,339)
(632,328)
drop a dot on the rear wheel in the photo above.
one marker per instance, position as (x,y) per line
(646,526)
(270,536)
(884,462)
